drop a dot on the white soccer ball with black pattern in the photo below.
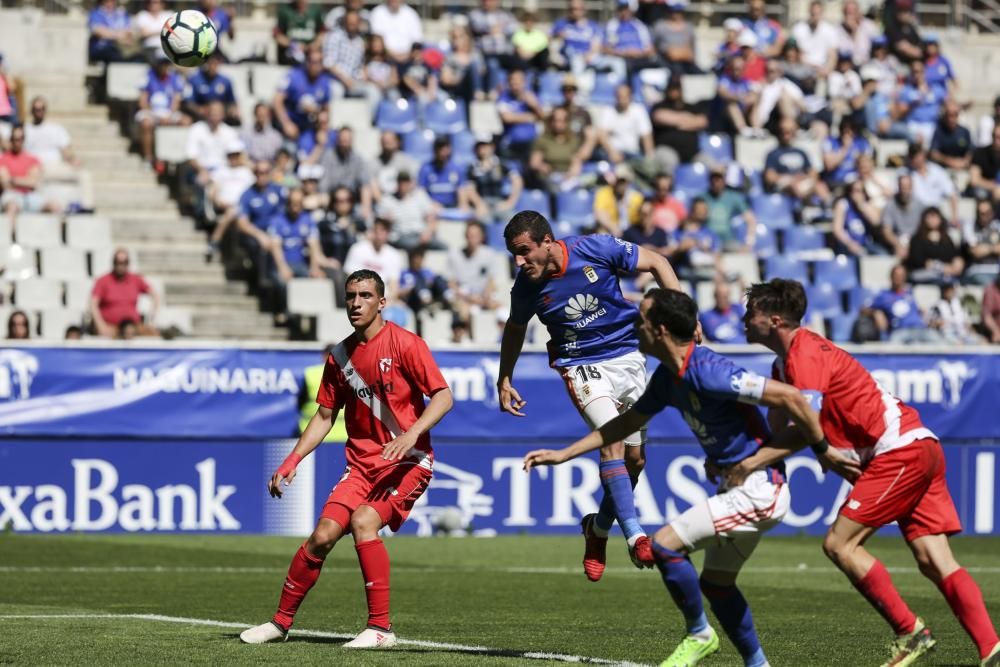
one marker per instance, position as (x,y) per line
(188,38)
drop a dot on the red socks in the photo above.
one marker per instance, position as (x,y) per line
(374,560)
(966,602)
(302,574)
(877,588)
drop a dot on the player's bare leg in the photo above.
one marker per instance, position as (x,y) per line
(937,562)
(374,561)
(302,575)
(844,545)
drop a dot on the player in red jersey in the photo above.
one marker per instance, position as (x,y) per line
(901,472)
(380,375)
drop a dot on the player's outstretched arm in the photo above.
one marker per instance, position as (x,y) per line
(615,430)
(311,437)
(510,349)
(441,402)
(658,265)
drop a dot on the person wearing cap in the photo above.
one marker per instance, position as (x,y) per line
(580,121)
(724,204)
(921,103)
(627,46)
(413,214)
(576,39)
(226,187)
(487,180)
(625,131)
(855,32)
(206,85)
(737,96)
(617,205)
(677,126)
(342,165)
(952,144)
(818,40)
(673,38)
(901,31)
(519,111)
(314,200)
(732,29)
(754,63)
(159,103)
(771,37)
(938,68)
(442,178)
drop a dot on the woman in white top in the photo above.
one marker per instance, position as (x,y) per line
(148,24)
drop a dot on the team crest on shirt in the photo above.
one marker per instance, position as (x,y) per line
(384,365)
(348,372)
(590,273)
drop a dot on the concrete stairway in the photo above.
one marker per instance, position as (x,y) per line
(147,222)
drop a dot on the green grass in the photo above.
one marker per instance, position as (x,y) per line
(462,591)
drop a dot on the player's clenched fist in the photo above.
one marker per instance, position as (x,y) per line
(543,457)
(285,473)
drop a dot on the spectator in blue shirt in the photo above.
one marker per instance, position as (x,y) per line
(696,253)
(724,322)
(305,91)
(221,18)
(952,144)
(923,104)
(840,154)
(519,111)
(938,68)
(442,178)
(897,315)
(110,30)
(787,169)
(579,39)
(883,115)
(627,45)
(208,85)
(771,37)
(159,104)
(420,288)
(261,203)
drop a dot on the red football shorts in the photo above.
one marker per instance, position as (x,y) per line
(906,485)
(391,494)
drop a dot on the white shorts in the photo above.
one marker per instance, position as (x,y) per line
(729,524)
(606,389)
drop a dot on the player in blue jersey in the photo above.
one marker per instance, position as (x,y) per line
(718,401)
(572,285)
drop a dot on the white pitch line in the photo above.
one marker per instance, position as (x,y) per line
(528,655)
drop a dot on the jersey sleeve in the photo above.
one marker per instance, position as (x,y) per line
(619,254)
(422,369)
(723,379)
(331,392)
(654,399)
(808,372)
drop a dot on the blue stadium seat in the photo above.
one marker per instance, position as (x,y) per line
(756,178)
(775,209)
(857,297)
(398,116)
(780,266)
(603,91)
(766,243)
(535,200)
(576,206)
(447,117)
(494,237)
(419,144)
(717,147)
(824,300)
(841,272)
(691,179)
(838,328)
(798,239)
(463,148)
(550,88)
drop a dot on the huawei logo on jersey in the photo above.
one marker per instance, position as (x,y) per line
(580,304)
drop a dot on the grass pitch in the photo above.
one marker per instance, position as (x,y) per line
(513,595)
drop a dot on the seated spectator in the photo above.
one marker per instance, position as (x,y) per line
(841,153)
(334,19)
(902,34)
(314,201)
(11,90)
(283,172)
(856,32)
(990,324)
(901,216)
(115,297)
(48,141)
(754,63)
(855,222)
(795,70)
(492,187)
(531,45)
(723,323)
(344,56)
(519,111)
(399,26)
(818,40)
(624,130)
(922,103)
(732,27)
(20,179)
(343,166)
(984,135)
(314,140)
(932,185)
(221,18)
(375,253)
(618,204)
(111,37)
(787,169)
(442,178)
(696,253)
(647,234)
(299,29)
(948,316)
(938,68)
(952,145)
(667,210)
(418,79)
(724,204)
(262,201)
(73,332)
(226,187)
(340,226)
(673,39)
(463,68)
(390,161)
(879,189)
(159,104)
(422,289)
(381,73)
(985,167)
(897,315)
(576,39)
(676,127)
(148,24)
(208,85)
(18,327)
(557,156)
(207,143)
(736,97)
(413,214)
(579,118)
(492,28)
(845,89)
(627,45)
(474,275)
(262,141)
(770,35)
(932,255)
(884,116)
(777,98)
(981,237)
(304,92)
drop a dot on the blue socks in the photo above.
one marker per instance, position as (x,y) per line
(618,502)
(733,612)
(681,580)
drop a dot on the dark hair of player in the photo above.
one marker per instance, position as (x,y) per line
(532,222)
(778,297)
(367,274)
(674,310)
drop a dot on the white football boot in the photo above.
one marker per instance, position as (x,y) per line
(263,634)
(372,638)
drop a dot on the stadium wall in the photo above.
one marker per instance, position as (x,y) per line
(181,439)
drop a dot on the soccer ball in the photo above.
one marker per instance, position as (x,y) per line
(188,38)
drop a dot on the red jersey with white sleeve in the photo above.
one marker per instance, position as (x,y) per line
(381,383)
(857,414)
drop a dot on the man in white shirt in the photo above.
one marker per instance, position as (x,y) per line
(376,254)
(399,26)
(474,275)
(413,214)
(625,130)
(48,141)
(856,32)
(817,40)
(931,183)
(391,161)
(206,151)
(228,183)
(148,23)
